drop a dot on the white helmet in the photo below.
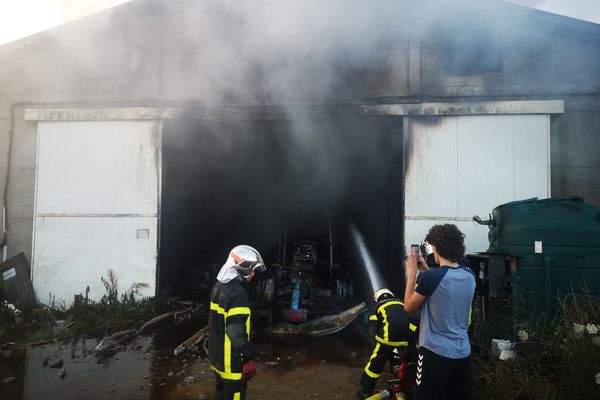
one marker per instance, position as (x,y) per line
(242,261)
(426,248)
(380,292)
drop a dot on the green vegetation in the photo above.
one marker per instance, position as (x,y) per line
(112,313)
(556,358)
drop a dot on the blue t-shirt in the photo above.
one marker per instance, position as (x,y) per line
(446,310)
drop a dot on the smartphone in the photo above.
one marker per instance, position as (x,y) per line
(416,249)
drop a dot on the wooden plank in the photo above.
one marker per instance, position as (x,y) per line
(191,341)
(15,283)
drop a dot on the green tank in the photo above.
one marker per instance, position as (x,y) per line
(557,246)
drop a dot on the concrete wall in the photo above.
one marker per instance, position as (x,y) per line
(533,64)
(21,183)
(147,53)
(543,62)
(68,65)
(576,149)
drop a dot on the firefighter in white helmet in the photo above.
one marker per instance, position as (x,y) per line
(392,329)
(229,349)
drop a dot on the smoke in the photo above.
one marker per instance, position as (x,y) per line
(271,52)
(290,53)
(218,52)
(257,52)
(274,52)
(227,182)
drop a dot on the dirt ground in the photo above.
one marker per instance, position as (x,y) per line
(289,367)
(293,367)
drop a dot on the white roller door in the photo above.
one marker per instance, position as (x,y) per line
(96,207)
(460,166)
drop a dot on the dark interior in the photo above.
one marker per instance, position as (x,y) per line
(274,184)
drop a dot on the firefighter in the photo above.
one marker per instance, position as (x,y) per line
(392,329)
(229,349)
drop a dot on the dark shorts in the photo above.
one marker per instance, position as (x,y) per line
(441,378)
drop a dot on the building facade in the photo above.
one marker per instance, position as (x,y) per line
(510,96)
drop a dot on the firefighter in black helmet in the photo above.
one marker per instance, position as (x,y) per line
(392,329)
(229,349)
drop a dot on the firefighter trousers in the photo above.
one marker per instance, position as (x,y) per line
(381,354)
(226,389)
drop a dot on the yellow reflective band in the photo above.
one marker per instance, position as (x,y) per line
(227,354)
(412,327)
(386,324)
(470,312)
(373,317)
(391,302)
(394,344)
(241,311)
(367,370)
(385,321)
(231,312)
(248,327)
(236,396)
(217,308)
(238,311)
(228,375)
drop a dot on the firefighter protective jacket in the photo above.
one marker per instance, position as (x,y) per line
(229,329)
(390,324)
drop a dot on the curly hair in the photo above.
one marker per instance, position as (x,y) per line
(448,240)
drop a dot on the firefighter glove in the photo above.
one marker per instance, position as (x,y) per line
(248,371)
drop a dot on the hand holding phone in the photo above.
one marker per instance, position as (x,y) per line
(416,250)
(411,262)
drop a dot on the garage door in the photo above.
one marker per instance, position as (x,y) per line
(96,207)
(460,166)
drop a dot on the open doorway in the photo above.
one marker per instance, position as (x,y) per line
(289,188)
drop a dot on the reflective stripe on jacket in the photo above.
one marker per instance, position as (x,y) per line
(229,329)
(392,325)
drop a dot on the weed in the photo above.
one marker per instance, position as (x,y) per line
(556,359)
(112,312)
(85,317)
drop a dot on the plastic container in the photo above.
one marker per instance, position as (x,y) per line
(565,226)
(557,246)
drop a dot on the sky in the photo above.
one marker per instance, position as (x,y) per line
(588,10)
(21,18)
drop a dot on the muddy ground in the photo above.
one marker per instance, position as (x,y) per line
(289,367)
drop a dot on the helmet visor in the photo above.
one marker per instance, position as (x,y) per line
(259,265)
